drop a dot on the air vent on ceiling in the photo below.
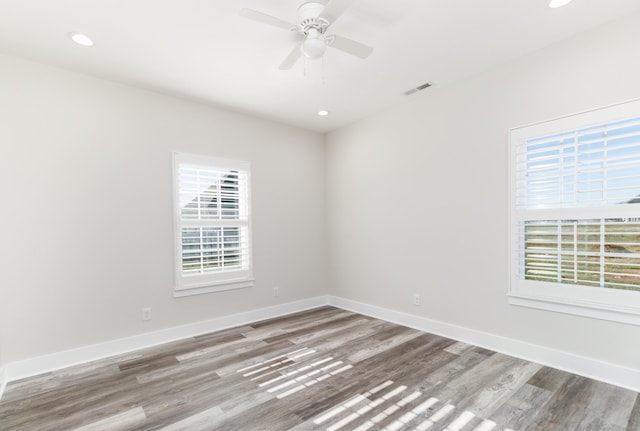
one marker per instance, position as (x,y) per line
(418,88)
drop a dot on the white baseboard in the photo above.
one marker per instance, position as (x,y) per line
(55,361)
(3,381)
(595,369)
(588,367)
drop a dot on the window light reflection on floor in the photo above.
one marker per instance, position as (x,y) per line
(363,407)
(288,379)
(436,417)
(286,355)
(302,377)
(350,403)
(291,373)
(486,425)
(311,373)
(314,381)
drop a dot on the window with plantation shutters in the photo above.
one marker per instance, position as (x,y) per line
(213,247)
(575,214)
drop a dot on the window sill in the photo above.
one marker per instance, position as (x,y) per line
(212,288)
(593,310)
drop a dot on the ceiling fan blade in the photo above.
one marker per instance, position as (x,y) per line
(350,46)
(334,9)
(291,59)
(265,19)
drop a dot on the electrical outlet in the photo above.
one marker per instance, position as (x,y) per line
(276,291)
(146,314)
(416,299)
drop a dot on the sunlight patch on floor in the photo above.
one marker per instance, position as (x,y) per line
(401,410)
(287,378)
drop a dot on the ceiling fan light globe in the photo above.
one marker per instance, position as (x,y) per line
(313,48)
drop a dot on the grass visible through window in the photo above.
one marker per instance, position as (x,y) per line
(601,253)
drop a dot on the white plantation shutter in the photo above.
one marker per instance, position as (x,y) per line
(575,211)
(212,224)
(589,252)
(212,193)
(591,167)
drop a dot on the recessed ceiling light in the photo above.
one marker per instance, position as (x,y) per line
(81,39)
(558,3)
(323,113)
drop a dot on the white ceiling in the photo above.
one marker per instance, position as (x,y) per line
(203,49)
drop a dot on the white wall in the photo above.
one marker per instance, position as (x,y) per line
(86,220)
(418,200)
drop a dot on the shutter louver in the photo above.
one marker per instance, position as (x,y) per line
(595,166)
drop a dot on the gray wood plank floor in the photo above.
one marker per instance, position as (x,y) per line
(323,369)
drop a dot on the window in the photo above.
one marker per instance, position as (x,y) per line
(212,224)
(575,214)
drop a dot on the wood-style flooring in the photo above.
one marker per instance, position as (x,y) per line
(323,369)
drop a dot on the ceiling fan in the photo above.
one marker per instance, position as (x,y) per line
(314,19)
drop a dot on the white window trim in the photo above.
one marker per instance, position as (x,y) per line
(197,285)
(608,304)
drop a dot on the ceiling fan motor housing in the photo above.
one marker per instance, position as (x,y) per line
(309,18)
(309,10)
